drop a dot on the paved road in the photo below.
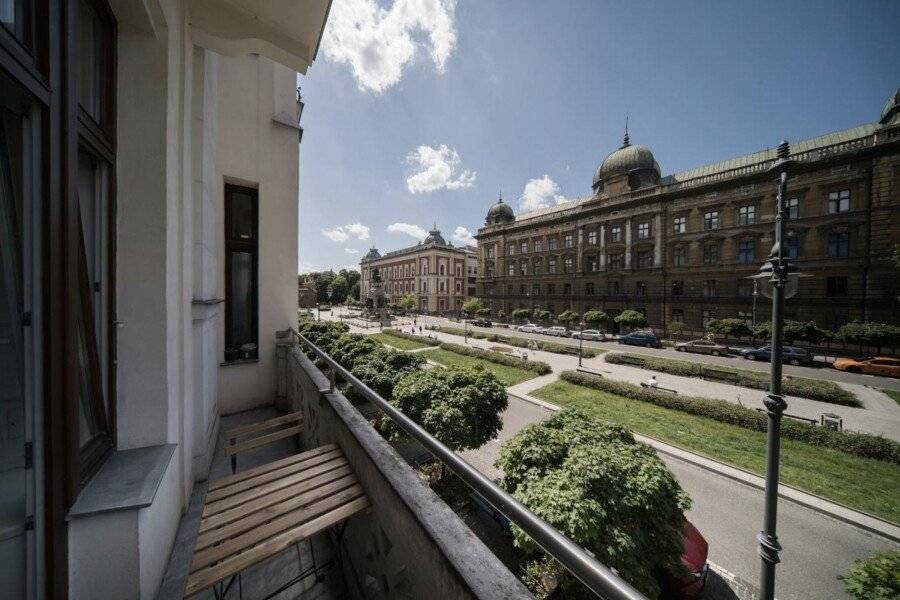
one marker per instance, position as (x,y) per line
(729,514)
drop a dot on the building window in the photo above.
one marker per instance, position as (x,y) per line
(511,268)
(612,288)
(747,215)
(615,233)
(567,289)
(677,315)
(746,252)
(678,288)
(567,265)
(708,315)
(241,294)
(711,254)
(551,266)
(709,288)
(643,231)
(711,220)
(589,288)
(538,266)
(490,253)
(792,246)
(510,249)
(592,238)
(442,270)
(568,240)
(593,264)
(644,259)
(441,287)
(839,201)
(523,268)
(535,289)
(839,244)
(616,260)
(522,289)
(793,208)
(640,288)
(458,271)
(745,288)
(679,256)
(679,224)
(538,245)
(551,289)
(523,247)
(836,287)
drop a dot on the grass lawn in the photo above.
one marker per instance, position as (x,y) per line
(866,484)
(507,375)
(893,394)
(399,343)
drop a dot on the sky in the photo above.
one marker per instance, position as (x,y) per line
(422,112)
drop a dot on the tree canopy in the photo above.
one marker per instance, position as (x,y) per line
(408,302)
(631,319)
(728,327)
(869,334)
(609,493)
(520,314)
(344,283)
(595,317)
(472,306)
(568,317)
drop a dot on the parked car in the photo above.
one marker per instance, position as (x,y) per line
(528,328)
(480,323)
(557,330)
(876,365)
(789,354)
(589,334)
(694,552)
(702,347)
(640,338)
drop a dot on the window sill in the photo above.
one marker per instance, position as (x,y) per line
(238,361)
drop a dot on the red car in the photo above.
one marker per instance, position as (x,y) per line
(694,552)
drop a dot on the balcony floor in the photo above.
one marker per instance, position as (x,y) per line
(265,577)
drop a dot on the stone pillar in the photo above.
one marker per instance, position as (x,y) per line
(603,247)
(579,254)
(627,243)
(657,243)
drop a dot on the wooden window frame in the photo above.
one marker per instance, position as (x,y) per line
(232,246)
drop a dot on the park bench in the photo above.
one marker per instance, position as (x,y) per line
(658,388)
(253,515)
(247,437)
(720,375)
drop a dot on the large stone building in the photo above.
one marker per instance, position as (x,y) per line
(680,247)
(440,275)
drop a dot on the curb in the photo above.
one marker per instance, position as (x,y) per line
(862,520)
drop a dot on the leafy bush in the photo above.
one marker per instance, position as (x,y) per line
(609,493)
(520,342)
(728,327)
(874,578)
(869,334)
(472,306)
(411,336)
(541,368)
(460,407)
(520,314)
(595,317)
(861,444)
(824,391)
(568,317)
(794,331)
(631,319)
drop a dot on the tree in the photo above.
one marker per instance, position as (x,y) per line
(568,317)
(354,291)
(460,407)
(472,306)
(874,578)
(869,334)
(763,330)
(501,315)
(609,493)
(631,319)
(541,315)
(794,331)
(408,302)
(520,314)
(340,287)
(728,327)
(595,317)
(675,327)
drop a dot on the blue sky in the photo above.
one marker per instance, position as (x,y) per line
(422,110)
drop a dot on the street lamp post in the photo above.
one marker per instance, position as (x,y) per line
(580,340)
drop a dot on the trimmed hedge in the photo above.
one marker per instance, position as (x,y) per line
(520,342)
(814,389)
(861,444)
(412,337)
(541,368)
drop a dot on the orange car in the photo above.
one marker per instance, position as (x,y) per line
(877,365)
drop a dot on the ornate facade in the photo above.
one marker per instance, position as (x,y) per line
(440,275)
(680,247)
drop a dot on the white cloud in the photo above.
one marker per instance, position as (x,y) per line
(464,236)
(351,250)
(409,229)
(342,233)
(437,168)
(379,43)
(540,193)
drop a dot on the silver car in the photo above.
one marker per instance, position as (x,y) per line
(528,328)
(557,330)
(589,334)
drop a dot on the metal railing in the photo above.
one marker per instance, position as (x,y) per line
(599,578)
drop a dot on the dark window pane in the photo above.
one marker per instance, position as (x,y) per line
(243,217)
(90,60)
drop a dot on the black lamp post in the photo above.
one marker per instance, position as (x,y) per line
(580,340)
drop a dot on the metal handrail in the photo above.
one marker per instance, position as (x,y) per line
(599,578)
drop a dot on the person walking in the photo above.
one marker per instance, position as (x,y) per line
(651,383)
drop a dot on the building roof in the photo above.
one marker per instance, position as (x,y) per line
(434,240)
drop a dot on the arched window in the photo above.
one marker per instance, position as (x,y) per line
(441,269)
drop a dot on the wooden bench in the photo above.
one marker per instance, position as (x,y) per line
(260,434)
(253,515)
(658,388)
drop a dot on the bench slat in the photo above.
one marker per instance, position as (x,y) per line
(263,425)
(231,479)
(202,579)
(261,440)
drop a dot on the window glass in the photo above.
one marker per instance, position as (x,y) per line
(643,231)
(839,201)
(710,254)
(711,220)
(615,233)
(746,252)
(680,224)
(839,244)
(241,294)
(793,208)
(592,238)
(679,256)
(747,215)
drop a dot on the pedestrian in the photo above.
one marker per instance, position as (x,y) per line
(651,383)
(420,329)
(414,322)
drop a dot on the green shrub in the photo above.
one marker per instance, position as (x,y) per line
(823,391)
(541,368)
(412,337)
(874,578)
(520,342)
(861,444)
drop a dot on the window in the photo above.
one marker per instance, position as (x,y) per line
(677,315)
(568,241)
(538,245)
(793,208)
(589,288)
(490,253)
(839,244)
(522,289)
(746,317)
(711,220)
(745,288)
(643,231)
(593,264)
(458,271)
(612,288)
(535,289)
(679,256)
(424,269)
(679,224)
(95,42)
(592,238)
(552,243)
(746,252)
(551,265)
(551,289)
(640,288)
(747,215)
(678,288)
(567,265)
(523,267)
(459,287)
(839,201)
(241,294)
(510,249)
(523,247)
(708,315)
(616,260)
(567,289)
(836,287)
(442,269)
(511,268)
(792,246)
(615,233)
(711,254)
(644,259)
(538,266)
(709,288)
